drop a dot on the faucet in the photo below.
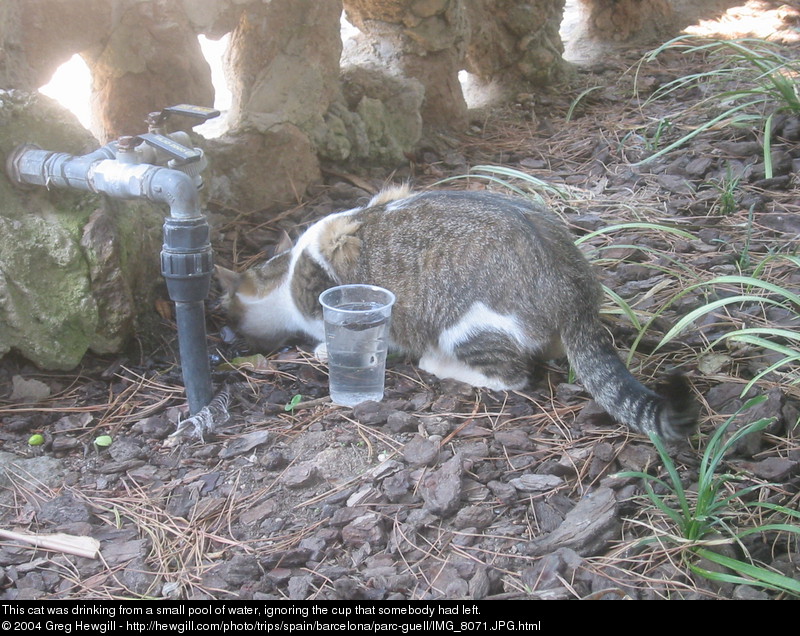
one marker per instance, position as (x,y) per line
(162,168)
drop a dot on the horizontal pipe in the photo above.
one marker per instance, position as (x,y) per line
(99,171)
(30,164)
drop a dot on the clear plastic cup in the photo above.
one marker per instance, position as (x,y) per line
(356,337)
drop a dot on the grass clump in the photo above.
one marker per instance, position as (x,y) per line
(726,189)
(751,79)
(753,290)
(716,513)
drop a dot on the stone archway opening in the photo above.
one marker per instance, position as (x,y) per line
(71,86)
(215,52)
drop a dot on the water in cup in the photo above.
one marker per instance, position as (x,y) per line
(356,336)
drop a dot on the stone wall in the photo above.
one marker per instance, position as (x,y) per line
(626,20)
(142,55)
(515,44)
(619,20)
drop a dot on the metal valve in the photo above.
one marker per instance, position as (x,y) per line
(180,153)
(173,150)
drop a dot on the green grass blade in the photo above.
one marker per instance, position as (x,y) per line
(703,127)
(721,577)
(775,332)
(689,318)
(518,191)
(770,527)
(656,499)
(753,427)
(533,182)
(669,465)
(773,257)
(791,354)
(768,148)
(635,226)
(687,81)
(715,449)
(645,249)
(751,281)
(625,307)
(789,512)
(749,336)
(766,371)
(756,575)
(677,518)
(577,100)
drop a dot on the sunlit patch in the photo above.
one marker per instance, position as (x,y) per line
(755,18)
(71,86)
(214,52)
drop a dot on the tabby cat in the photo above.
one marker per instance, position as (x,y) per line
(487,286)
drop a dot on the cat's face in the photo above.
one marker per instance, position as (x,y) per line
(254,302)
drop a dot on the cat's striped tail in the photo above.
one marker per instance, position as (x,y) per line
(672,414)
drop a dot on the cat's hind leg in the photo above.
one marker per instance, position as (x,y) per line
(485,348)
(498,356)
(490,359)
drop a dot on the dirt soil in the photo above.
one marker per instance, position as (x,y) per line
(440,491)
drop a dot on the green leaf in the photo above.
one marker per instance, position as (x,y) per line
(293,403)
(103,441)
(36,440)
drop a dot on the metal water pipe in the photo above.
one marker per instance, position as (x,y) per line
(127,169)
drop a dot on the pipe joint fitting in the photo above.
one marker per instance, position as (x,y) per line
(187,260)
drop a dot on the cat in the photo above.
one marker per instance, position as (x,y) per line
(487,286)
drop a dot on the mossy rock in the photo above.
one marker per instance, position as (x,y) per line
(75,267)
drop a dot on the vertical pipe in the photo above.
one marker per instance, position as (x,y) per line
(190,317)
(186,264)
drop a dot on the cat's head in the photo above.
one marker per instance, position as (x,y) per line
(254,302)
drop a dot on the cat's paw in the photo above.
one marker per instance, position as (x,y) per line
(321,352)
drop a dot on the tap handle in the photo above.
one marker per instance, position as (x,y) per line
(175,150)
(157,120)
(197,112)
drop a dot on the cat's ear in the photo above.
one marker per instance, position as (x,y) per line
(284,243)
(339,244)
(228,279)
